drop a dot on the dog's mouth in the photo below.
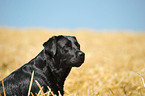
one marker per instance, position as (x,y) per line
(78,65)
(80,62)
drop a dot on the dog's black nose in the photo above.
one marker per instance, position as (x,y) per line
(80,57)
(80,54)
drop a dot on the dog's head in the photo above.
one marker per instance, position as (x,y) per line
(66,49)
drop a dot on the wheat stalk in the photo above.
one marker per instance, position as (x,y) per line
(32,76)
(3,88)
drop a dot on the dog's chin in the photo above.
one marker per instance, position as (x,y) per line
(78,65)
(75,64)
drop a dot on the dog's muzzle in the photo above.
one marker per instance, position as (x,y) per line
(80,57)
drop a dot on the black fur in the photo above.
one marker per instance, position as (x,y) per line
(51,66)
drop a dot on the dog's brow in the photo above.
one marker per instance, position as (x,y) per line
(63,42)
(74,42)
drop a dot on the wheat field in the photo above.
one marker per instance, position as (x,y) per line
(114,63)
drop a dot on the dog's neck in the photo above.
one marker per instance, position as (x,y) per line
(58,74)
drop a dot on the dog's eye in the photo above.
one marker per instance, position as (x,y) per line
(68,45)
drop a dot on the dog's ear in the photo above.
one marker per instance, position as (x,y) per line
(50,46)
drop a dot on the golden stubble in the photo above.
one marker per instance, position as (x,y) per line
(114,63)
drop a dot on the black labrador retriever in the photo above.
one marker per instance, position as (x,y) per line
(51,66)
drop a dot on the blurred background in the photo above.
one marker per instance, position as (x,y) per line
(74,14)
(110,32)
